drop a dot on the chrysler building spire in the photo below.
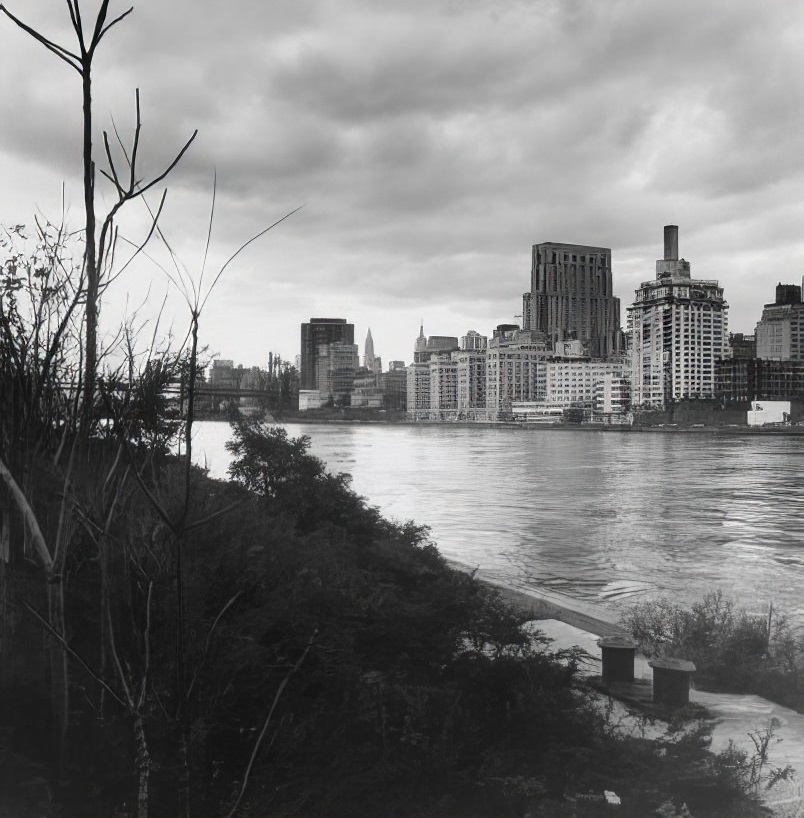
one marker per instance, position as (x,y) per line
(368,352)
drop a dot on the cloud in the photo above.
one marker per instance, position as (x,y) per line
(432,142)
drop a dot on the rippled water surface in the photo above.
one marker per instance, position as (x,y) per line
(603,516)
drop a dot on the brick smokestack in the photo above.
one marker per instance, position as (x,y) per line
(671,242)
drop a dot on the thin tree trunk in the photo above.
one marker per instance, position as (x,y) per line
(59,671)
(183,699)
(143,766)
(184,771)
(92,261)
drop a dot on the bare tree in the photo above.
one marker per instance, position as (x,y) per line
(98,248)
(196,293)
(40,309)
(95,273)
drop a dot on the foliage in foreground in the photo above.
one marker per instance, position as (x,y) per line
(732,650)
(338,667)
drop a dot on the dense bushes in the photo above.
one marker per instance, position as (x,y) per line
(334,656)
(732,650)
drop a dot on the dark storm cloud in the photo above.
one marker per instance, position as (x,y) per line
(433,142)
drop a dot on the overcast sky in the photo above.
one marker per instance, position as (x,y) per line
(431,143)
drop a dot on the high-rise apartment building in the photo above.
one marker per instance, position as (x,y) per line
(320,332)
(780,331)
(418,390)
(571,297)
(443,388)
(471,363)
(678,328)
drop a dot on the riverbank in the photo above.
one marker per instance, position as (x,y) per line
(398,419)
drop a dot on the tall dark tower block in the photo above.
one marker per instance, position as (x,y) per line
(320,331)
(571,297)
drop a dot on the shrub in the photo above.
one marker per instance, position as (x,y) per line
(732,649)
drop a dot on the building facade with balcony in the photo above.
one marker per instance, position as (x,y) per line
(515,372)
(574,382)
(612,396)
(677,330)
(418,390)
(443,388)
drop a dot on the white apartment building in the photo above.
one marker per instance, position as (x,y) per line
(572,382)
(514,373)
(612,395)
(677,328)
(419,390)
(443,388)
(471,368)
(471,361)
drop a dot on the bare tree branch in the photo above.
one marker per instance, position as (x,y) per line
(73,60)
(147,641)
(209,231)
(114,22)
(113,178)
(120,672)
(214,515)
(243,247)
(169,168)
(77,656)
(28,514)
(141,246)
(132,165)
(277,696)
(200,665)
(78,24)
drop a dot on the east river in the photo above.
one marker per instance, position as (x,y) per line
(604,517)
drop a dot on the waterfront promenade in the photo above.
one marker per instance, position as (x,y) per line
(544,604)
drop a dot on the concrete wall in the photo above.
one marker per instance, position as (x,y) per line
(768,411)
(688,413)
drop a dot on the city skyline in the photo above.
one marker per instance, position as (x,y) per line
(432,145)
